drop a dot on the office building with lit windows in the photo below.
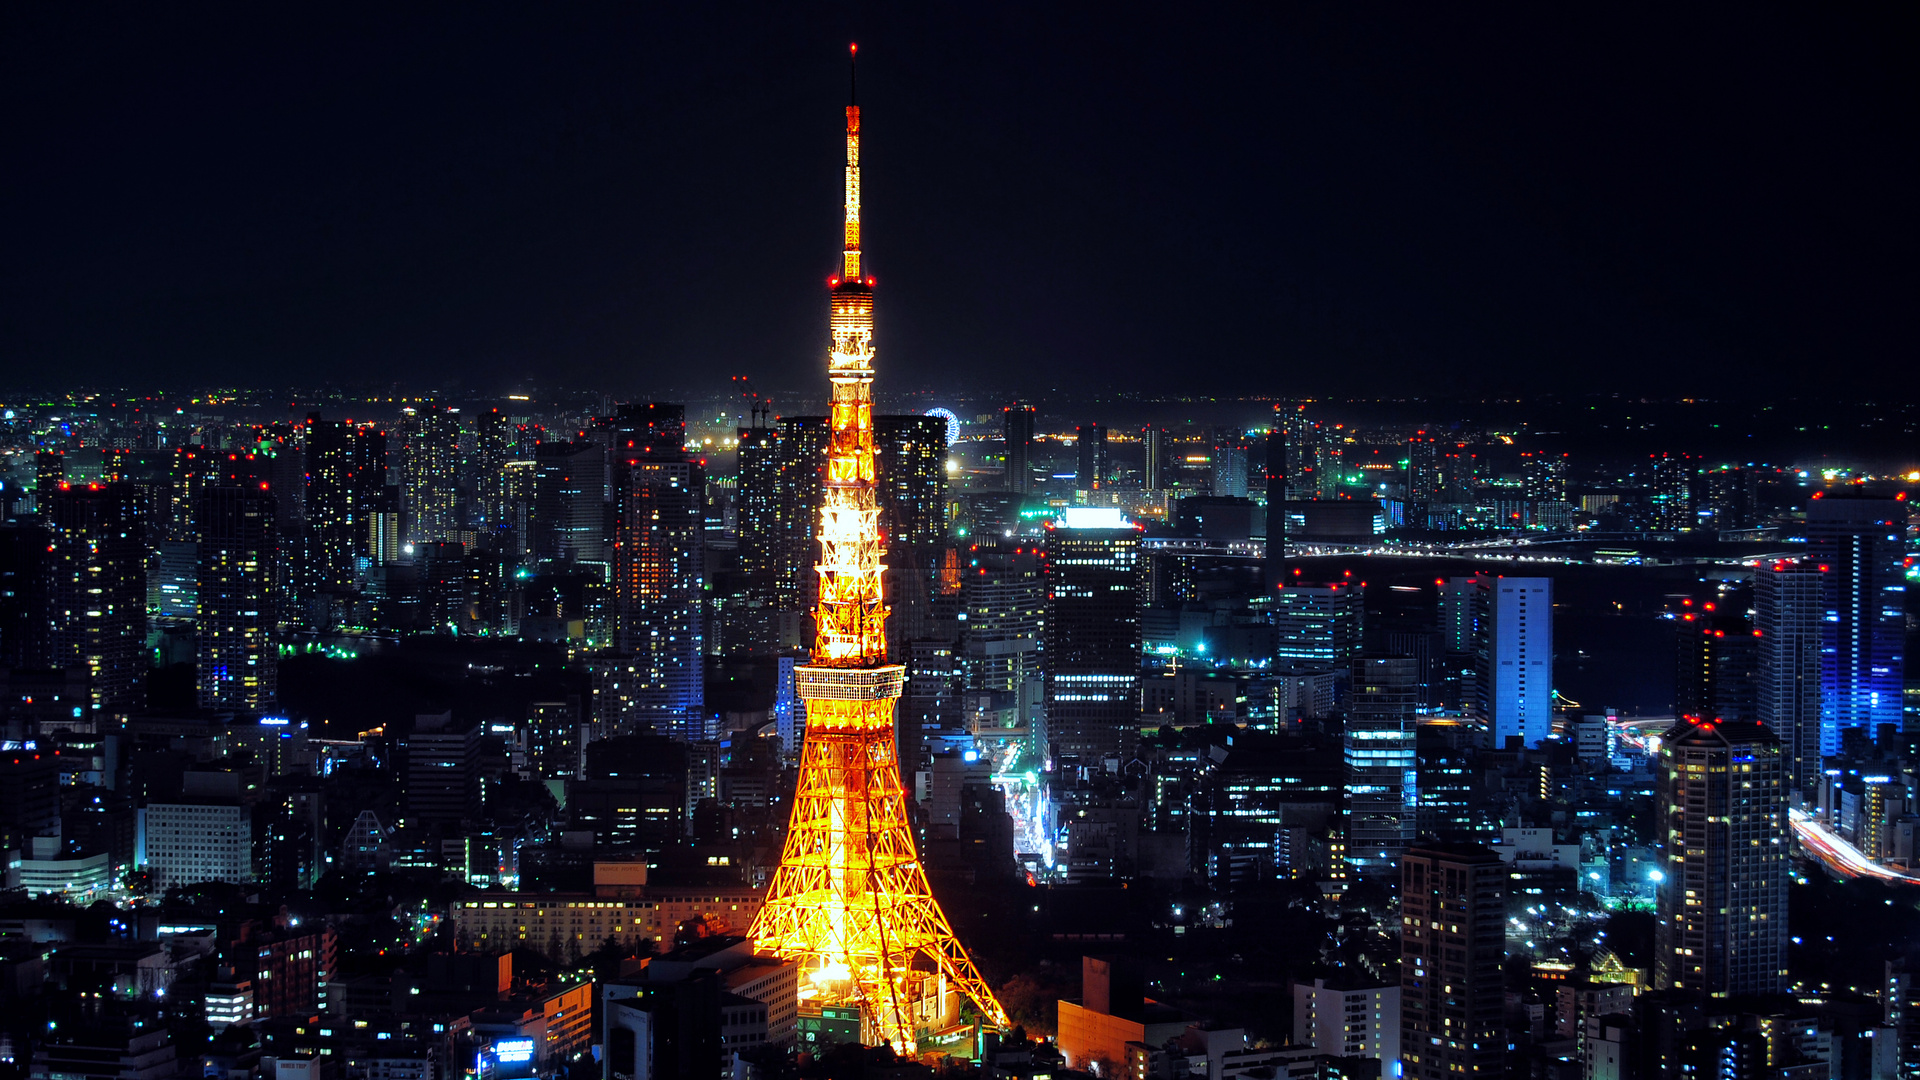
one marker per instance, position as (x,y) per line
(1089,565)
(1317,625)
(1723,847)
(98,561)
(237,660)
(1857,543)
(1453,919)
(1019,450)
(1788,621)
(1517,666)
(1382,763)
(660,591)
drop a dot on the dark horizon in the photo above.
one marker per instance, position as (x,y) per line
(1425,202)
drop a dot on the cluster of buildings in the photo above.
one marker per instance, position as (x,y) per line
(1101,684)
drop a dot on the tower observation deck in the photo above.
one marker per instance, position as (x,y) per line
(850,900)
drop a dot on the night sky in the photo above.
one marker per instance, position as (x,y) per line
(1454,199)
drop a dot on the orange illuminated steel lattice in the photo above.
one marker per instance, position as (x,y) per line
(850,901)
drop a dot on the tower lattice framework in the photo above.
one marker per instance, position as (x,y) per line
(850,900)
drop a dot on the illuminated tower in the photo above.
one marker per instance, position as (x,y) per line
(850,901)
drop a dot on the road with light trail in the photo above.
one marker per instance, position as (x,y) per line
(1839,856)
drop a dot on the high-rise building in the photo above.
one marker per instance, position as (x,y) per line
(1089,565)
(554,741)
(346,481)
(100,587)
(26,596)
(758,504)
(1003,601)
(1154,471)
(1517,664)
(206,835)
(1350,1019)
(1229,465)
(1317,625)
(1716,667)
(430,480)
(1382,763)
(659,572)
(1019,421)
(1423,467)
(1673,490)
(1731,498)
(911,471)
(803,442)
(1453,920)
(570,495)
(1857,543)
(1722,841)
(440,771)
(1789,610)
(1459,471)
(1543,476)
(236,656)
(1090,444)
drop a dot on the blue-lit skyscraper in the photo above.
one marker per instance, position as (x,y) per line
(1856,542)
(1517,666)
(1382,764)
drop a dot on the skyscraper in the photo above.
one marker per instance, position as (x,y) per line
(659,578)
(237,663)
(1229,465)
(346,481)
(100,587)
(1673,490)
(758,505)
(1090,443)
(803,442)
(430,482)
(1517,664)
(1382,763)
(1721,834)
(1317,625)
(1003,601)
(1153,457)
(1019,420)
(26,596)
(1089,564)
(911,469)
(1453,919)
(1716,667)
(1788,622)
(1857,544)
(569,502)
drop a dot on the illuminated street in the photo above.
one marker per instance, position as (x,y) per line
(1838,855)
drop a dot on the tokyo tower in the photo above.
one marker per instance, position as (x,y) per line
(850,900)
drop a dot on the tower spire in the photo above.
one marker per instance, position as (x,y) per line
(850,259)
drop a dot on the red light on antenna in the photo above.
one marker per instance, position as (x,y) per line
(853,47)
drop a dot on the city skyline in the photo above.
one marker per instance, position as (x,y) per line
(1126,703)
